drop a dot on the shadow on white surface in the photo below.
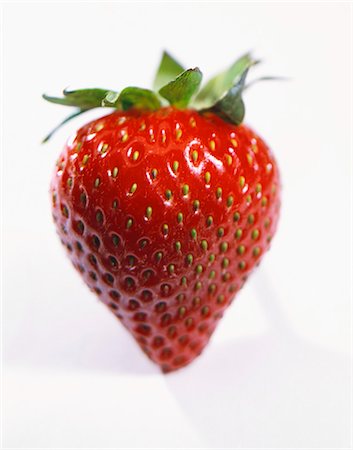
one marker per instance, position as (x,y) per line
(275,390)
(272,390)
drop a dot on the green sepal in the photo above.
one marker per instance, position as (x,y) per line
(221,95)
(137,98)
(86,99)
(231,107)
(80,98)
(72,116)
(220,84)
(265,78)
(167,71)
(180,91)
(110,99)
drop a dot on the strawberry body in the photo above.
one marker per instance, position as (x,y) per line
(165,214)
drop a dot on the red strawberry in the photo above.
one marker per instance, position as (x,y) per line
(165,211)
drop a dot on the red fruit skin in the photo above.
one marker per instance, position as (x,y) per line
(138,263)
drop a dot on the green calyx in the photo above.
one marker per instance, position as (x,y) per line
(174,86)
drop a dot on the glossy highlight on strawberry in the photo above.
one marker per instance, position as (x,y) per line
(165,212)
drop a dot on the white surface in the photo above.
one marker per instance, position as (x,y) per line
(277,373)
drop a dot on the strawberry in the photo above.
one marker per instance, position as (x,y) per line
(165,209)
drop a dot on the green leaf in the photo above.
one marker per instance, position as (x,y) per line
(134,97)
(217,86)
(179,91)
(231,107)
(72,116)
(81,98)
(167,71)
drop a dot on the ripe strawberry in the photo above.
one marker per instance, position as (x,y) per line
(165,210)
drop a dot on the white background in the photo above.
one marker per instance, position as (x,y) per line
(277,373)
